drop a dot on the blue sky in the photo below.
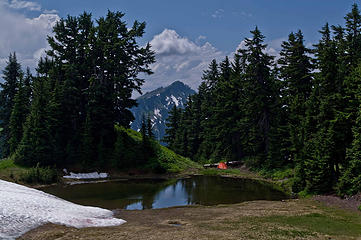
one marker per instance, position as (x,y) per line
(194,31)
(224,22)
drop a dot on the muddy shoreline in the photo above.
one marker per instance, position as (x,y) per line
(248,220)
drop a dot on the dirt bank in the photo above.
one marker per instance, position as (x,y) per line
(349,203)
(293,219)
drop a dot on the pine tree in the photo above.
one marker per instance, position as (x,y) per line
(89,74)
(18,115)
(207,94)
(350,182)
(353,36)
(295,71)
(36,145)
(326,147)
(260,87)
(11,75)
(226,113)
(211,75)
(172,125)
(150,133)
(143,128)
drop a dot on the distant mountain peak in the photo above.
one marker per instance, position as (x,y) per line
(158,103)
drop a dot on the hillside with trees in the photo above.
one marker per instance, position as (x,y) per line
(65,114)
(300,111)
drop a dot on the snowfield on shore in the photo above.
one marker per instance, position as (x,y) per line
(93,175)
(23,208)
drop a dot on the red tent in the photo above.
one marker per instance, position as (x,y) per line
(222,165)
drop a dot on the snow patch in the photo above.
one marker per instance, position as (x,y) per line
(157,112)
(23,208)
(175,100)
(168,100)
(93,175)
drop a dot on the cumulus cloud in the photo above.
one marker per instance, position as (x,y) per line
(179,58)
(23,35)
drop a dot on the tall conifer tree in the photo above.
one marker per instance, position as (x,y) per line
(11,75)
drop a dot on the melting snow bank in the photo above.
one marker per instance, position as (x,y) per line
(93,175)
(23,208)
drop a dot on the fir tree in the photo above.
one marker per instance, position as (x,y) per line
(259,102)
(11,75)
(295,71)
(150,133)
(18,115)
(36,145)
(172,125)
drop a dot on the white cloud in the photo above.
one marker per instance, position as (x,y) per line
(50,11)
(178,58)
(218,13)
(18,4)
(25,36)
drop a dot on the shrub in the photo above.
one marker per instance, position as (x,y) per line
(39,175)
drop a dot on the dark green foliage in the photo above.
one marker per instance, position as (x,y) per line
(295,71)
(150,133)
(11,75)
(129,153)
(19,113)
(303,113)
(172,126)
(235,111)
(350,182)
(36,146)
(82,90)
(38,175)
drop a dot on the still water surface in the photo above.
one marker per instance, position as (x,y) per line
(147,194)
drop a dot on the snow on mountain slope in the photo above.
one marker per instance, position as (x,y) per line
(23,208)
(158,103)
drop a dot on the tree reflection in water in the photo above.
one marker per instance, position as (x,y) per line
(147,194)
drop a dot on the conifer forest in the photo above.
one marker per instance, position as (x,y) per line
(300,110)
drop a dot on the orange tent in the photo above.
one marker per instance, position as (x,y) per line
(222,165)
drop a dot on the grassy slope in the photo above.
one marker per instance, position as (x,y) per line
(165,158)
(10,171)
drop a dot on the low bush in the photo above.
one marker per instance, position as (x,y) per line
(39,175)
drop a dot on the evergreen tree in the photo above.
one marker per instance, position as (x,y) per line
(90,73)
(327,144)
(172,125)
(150,134)
(143,129)
(211,75)
(353,36)
(11,75)
(295,71)
(36,145)
(258,105)
(18,115)
(350,182)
